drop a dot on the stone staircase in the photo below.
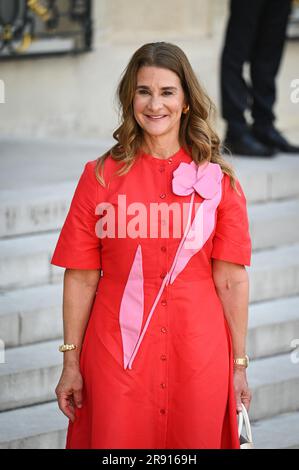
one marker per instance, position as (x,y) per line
(31,298)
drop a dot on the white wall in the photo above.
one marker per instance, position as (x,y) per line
(73,96)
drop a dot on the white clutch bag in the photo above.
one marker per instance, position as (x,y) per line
(245,440)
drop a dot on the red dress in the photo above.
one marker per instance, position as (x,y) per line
(157,355)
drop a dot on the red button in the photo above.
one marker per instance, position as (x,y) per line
(162,196)
(162,411)
(163,385)
(162,275)
(161,169)
(163,357)
(163,329)
(170,160)
(164,303)
(163,248)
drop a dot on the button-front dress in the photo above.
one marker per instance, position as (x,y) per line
(156,358)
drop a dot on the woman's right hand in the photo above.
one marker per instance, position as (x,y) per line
(69,391)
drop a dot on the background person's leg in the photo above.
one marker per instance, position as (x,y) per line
(243,25)
(266,58)
(242,28)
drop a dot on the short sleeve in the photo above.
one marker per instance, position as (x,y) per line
(78,246)
(231,241)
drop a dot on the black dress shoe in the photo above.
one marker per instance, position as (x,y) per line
(272,137)
(247,145)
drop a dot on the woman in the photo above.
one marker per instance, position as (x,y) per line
(155,289)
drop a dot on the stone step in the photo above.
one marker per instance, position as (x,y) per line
(34,432)
(37,210)
(264,182)
(44,208)
(274,382)
(34,314)
(31,315)
(279,432)
(46,160)
(34,427)
(25,261)
(274,223)
(274,273)
(272,327)
(30,374)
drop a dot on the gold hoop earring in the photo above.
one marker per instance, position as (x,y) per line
(185,110)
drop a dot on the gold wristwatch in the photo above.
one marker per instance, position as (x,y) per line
(242,361)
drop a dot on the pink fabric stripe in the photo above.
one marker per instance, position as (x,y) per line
(201,229)
(148,319)
(187,230)
(131,308)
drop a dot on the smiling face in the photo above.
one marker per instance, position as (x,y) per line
(158,102)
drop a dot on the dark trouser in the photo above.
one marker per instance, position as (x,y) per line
(255,34)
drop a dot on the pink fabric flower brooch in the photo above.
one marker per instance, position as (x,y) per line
(204,179)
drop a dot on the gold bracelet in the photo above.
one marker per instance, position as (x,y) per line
(67,347)
(242,361)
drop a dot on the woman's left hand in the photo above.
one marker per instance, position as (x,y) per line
(242,391)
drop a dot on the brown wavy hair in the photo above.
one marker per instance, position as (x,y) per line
(195,131)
